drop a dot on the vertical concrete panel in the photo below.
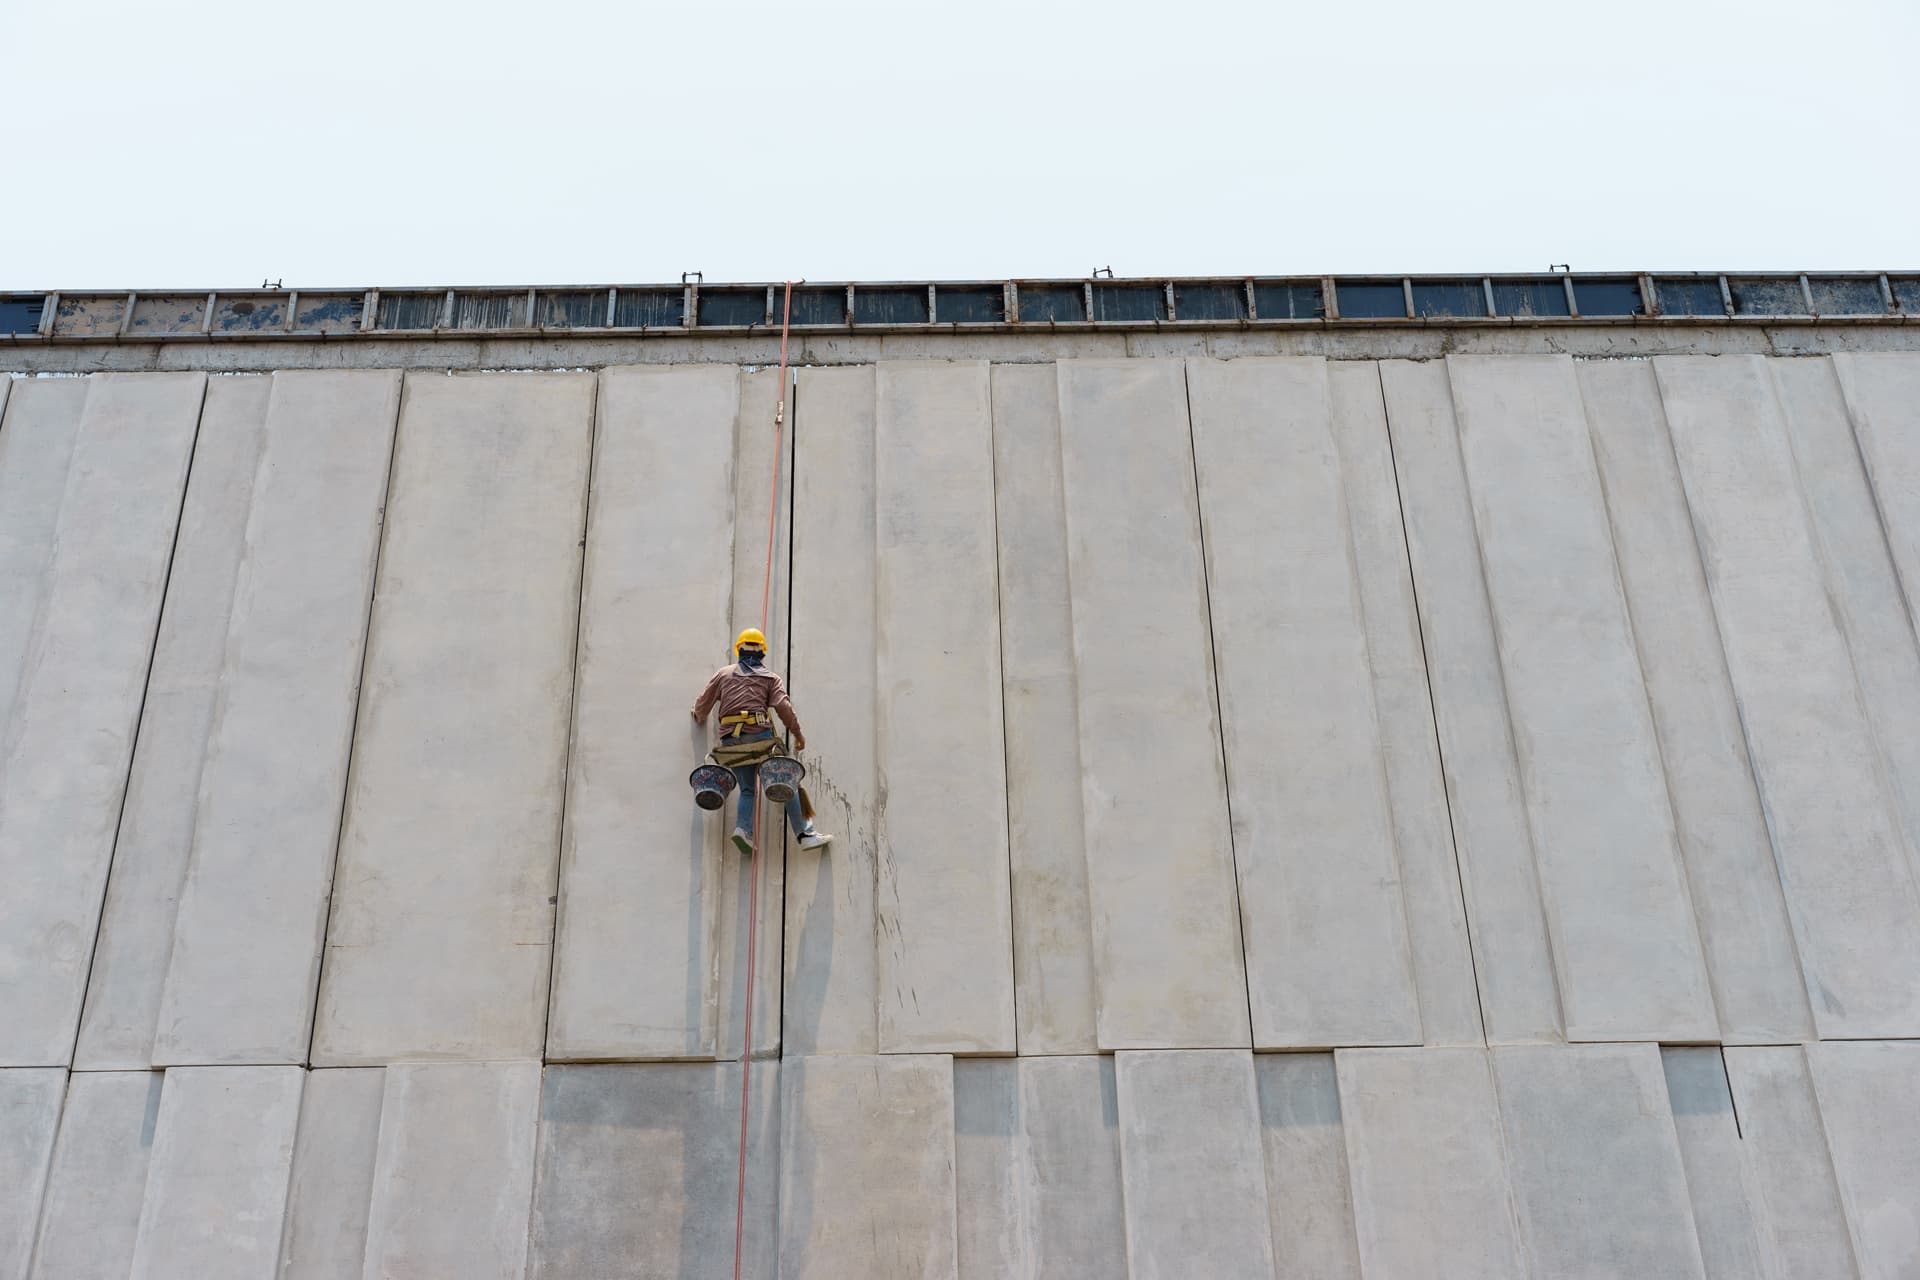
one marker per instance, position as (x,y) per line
(1726,1202)
(1309,1201)
(753,480)
(63,762)
(460,750)
(453,1180)
(866,1166)
(1736,891)
(156,829)
(831,987)
(1037,1168)
(1597,1175)
(1849,887)
(29,1115)
(90,1216)
(1052,925)
(1785,1145)
(330,1191)
(1326,934)
(1192,1168)
(1626,951)
(640,885)
(1867,1094)
(1422,834)
(943,909)
(217,1178)
(1860,576)
(1168,965)
(1491,837)
(1070,1117)
(246,938)
(1429,1175)
(38,428)
(991,1229)
(636,1170)
(1883,398)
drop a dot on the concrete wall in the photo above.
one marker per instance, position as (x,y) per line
(1296,817)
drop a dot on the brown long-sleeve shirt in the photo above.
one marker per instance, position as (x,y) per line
(736,689)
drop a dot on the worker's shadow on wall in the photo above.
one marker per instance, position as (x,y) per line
(812,969)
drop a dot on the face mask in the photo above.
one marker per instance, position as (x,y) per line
(751,657)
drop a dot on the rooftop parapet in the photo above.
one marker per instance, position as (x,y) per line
(1198,302)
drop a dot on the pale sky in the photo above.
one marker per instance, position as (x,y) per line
(211,143)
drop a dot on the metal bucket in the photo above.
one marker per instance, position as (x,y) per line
(710,785)
(781,775)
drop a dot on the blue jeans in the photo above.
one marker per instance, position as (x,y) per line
(748,776)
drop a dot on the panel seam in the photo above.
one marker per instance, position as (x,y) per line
(1433,714)
(359,704)
(140,716)
(1219,714)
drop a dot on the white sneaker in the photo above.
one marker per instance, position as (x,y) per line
(815,840)
(742,841)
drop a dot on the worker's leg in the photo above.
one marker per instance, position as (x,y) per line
(747,777)
(810,838)
(796,817)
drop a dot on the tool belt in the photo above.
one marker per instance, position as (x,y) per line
(735,754)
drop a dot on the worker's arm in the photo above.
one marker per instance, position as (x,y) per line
(781,705)
(703,705)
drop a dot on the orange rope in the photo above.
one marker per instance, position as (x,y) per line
(753,873)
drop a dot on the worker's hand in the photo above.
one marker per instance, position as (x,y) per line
(799,742)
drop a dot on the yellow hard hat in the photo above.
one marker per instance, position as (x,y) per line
(753,636)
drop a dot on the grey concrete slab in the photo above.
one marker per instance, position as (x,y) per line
(1866,1093)
(1785,1146)
(1416,787)
(29,1116)
(1309,1196)
(944,913)
(1168,964)
(330,1191)
(1492,840)
(753,480)
(1861,578)
(156,828)
(1882,392)
(1052,922)
(64,757)
(1328,961)
(38,428)
(1425,1156)
(453,1180)
(1597,1177)
(641,892)
(1741,910)
(1192,1168)
(866,1165)
(831,986)
(469,670)
(246,935)
(990,1204)
(637,1169)
(1037,1168)
(90,1215)
(217,1175)
(1627,954)
(1720,1183)
(1849,886)
(1070,1116)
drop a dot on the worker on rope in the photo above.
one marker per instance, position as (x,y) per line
(749,695)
